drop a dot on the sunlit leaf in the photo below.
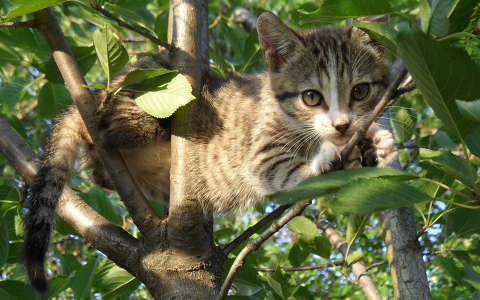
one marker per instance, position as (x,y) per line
(164,102)
(24,7)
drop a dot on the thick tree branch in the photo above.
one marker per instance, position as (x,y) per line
(254,244)
(255,228)
(112,240)
(338,242)
(139,30)
(142,214)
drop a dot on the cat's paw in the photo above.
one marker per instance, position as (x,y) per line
(327,154)
(382,152)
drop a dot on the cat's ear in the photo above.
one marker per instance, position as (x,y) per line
(277,40)
(361,36)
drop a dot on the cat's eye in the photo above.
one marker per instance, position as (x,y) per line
(312,98)
(360,91)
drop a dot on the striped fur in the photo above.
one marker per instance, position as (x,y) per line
(253,135)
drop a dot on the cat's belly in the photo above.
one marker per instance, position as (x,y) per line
(149,166)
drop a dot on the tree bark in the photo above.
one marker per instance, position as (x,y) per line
(404,253)
(191,266)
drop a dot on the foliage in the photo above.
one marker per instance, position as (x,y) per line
(437,127)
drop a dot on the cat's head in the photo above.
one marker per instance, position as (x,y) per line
(326,79)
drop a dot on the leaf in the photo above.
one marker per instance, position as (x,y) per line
(56,285)
(114,282)
(52,98)
(353,257)
(82,281)
(451,164)
(326,183)
(4,245)
(441,84)
(438,24)
(464,15)
(10,92)
(98,200)
(333,10)
(28,6)
(471,276)
(369,195)
(448,264)
(139,75)
(463,222)
(111,53)
(470,109)
(297,255)
(164,102)
(19,289)
(305,228)
(384,33)
(403,123)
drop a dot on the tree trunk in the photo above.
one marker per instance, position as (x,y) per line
(190,267)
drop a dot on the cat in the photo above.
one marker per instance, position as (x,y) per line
(253,134)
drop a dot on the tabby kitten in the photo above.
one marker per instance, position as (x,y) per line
(253,135)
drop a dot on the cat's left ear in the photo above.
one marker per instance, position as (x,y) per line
(278,41)
(364,38)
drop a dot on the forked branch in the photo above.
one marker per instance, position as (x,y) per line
(254,244)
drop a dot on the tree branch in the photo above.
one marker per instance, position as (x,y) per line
(139,30)
(337,241)
(254,244)
(255,228)
(112,240)
(305,268)
(142,214)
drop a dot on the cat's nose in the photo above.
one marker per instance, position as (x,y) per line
(342,128)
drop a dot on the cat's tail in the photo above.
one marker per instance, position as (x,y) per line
(43,194)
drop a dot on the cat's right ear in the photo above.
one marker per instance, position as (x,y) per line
(277,40)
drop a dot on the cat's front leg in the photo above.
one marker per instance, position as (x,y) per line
(382,145)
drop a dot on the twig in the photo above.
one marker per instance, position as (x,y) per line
(132,40)
(133,28)
(29,23)
(255,228)
(388,95)
(415,146)
(142,214)
(338,242)
(305,268)
(404,89)
(254,244)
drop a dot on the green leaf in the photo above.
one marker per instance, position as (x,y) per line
(139,75)
(19,289)
(471,276)
(333,10)
(114,282)
(10,92)
(463,222)
(52,99)
(164,102)
(305,228)
(326,183)
(449,266)
(28,6)
(369,195)
(99,201)
(354,257)
(297,255)
(451,164)
(464,15)
(56,285)
(4,245)
(83,279)
(403,123)
(384,33)
(470,109)
(441,84)
(111,53)
(438,24)
(302,293)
